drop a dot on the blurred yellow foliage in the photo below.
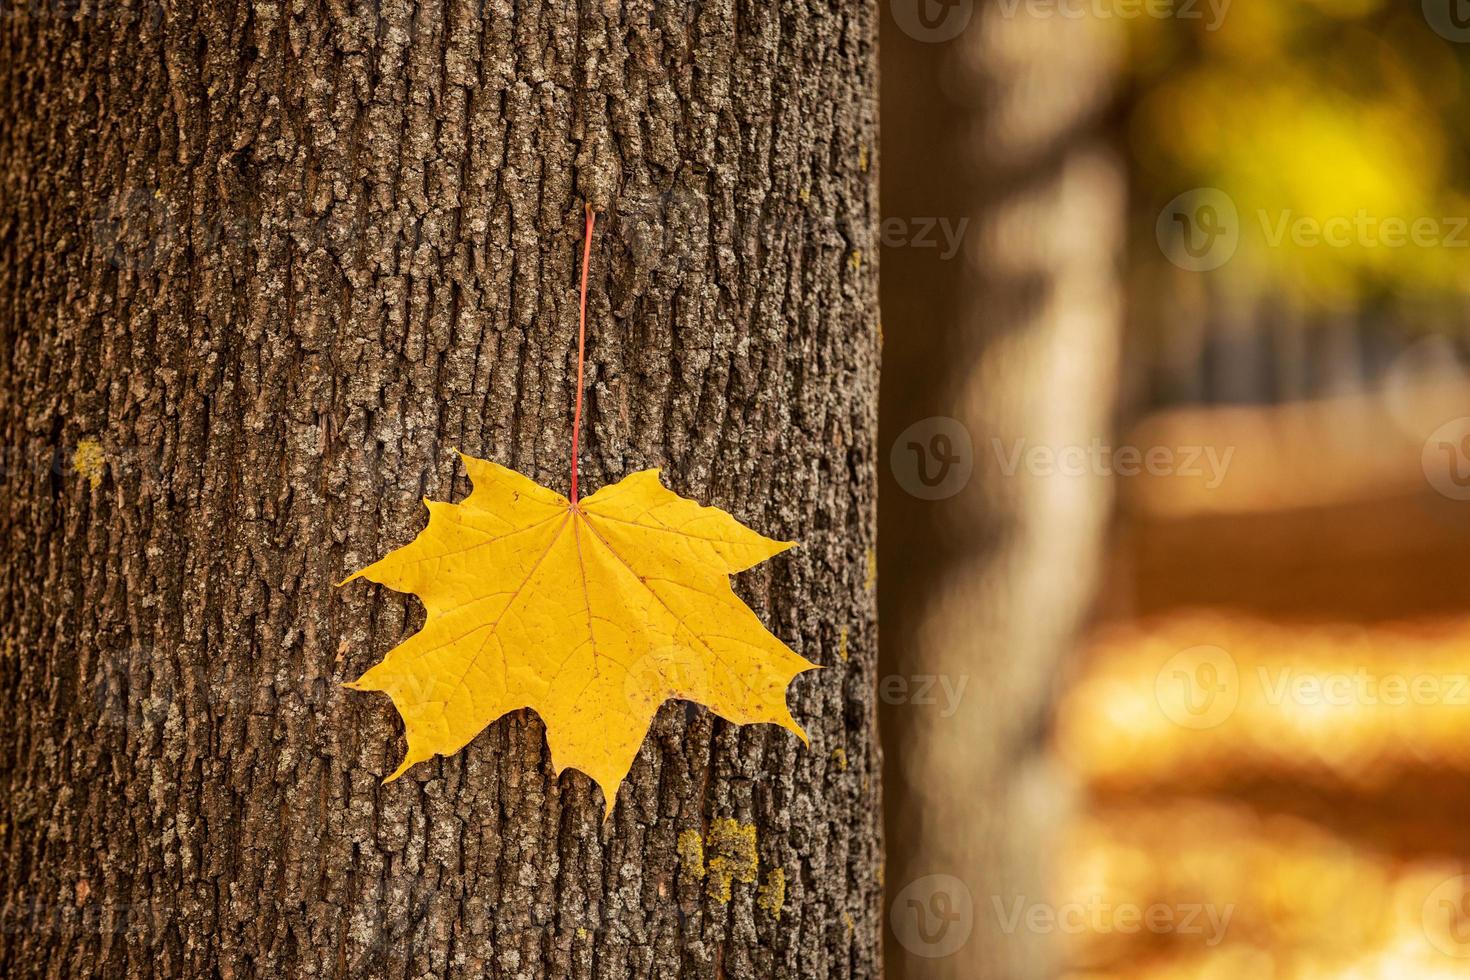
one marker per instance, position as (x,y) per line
(1201,699)
(1279,800)
(1335,128)
(1235,895)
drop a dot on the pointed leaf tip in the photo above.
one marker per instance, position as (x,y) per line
(403,767)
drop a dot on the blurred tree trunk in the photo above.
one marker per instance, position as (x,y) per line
(1015,338)
(262,269)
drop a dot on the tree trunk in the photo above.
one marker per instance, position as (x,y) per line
(263,267)
(1009,347)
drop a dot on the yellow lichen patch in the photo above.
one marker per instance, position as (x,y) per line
(839,758)
(88,461)
(856,260)
(771,896)
(863,158)
(733,845)
(691,852)
(842,644)
(872,578)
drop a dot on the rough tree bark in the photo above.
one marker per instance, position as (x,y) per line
(1003,123)
(263,267)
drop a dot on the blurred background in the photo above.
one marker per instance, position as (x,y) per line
(1177,418)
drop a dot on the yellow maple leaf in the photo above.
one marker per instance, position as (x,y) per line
(591,614)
